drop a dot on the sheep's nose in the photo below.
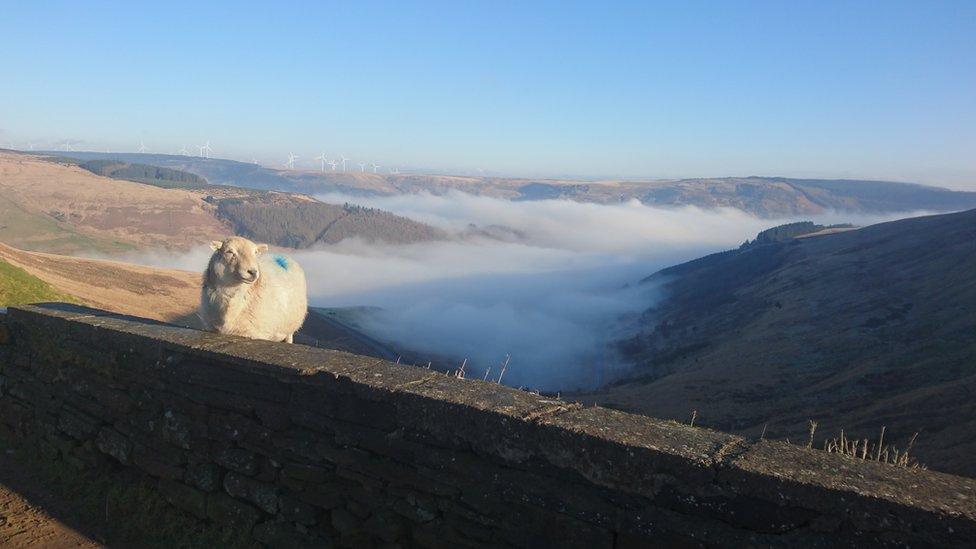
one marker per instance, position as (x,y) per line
(252,272)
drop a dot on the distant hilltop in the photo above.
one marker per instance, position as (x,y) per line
(768,197)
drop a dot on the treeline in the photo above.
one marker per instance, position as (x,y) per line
(301,224)
(789,231)
(757,262)
(141,173)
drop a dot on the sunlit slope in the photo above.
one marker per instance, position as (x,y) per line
(168,295)
(60,207)
(56,205)
(18,287)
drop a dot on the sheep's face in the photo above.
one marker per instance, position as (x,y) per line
(235,260)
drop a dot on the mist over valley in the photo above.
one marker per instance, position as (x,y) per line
(546,284)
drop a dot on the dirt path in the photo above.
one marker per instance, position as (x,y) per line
(32,516)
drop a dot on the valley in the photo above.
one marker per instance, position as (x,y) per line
(852,327)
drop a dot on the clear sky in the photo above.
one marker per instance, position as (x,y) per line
(637,89)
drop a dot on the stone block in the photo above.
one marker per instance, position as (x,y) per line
(274,417)
(13,414)
(203,475)
(323,496)
(114,444)
(275,533)
(184,497)
(345,522)
(237,459)
(156,463)
(295,510)
(416,508)
(118,402)
(76,424)
(228,426)
(385,525)
(183,431)
(307,473)
(263,495)
(226,510)
(267,472)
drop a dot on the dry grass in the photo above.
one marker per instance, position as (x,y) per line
(504,367)
(866,450)
(863,449)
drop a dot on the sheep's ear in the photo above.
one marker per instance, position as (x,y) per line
(261,248)
(216,245)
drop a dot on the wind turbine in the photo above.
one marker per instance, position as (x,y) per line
(142,147)
(375,167)
(322,159)
(333,163)
(362,166)
(205,150)
(183,151)
(343,160)
(67,145)
(30,145)
(291,161)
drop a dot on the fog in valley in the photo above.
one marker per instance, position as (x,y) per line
(545,283)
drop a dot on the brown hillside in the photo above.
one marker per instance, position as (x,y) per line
(52,198)
(166,295)
(52,205)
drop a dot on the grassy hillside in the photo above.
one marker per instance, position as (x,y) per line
(856,330)
(18,287)
(36,231)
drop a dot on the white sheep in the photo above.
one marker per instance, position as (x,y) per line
(249,293)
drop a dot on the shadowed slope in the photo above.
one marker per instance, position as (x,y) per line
(855,330)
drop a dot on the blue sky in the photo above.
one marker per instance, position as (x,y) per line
(642,89)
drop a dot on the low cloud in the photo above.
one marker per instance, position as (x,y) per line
(549,294)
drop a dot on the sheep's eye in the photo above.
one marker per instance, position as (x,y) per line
(229,253)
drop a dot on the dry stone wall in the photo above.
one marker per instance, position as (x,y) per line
(310,447)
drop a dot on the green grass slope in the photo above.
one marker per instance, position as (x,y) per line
(18,287)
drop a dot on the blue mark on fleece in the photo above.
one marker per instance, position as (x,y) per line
(282,261)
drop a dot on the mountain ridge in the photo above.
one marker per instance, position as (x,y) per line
(764,196)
